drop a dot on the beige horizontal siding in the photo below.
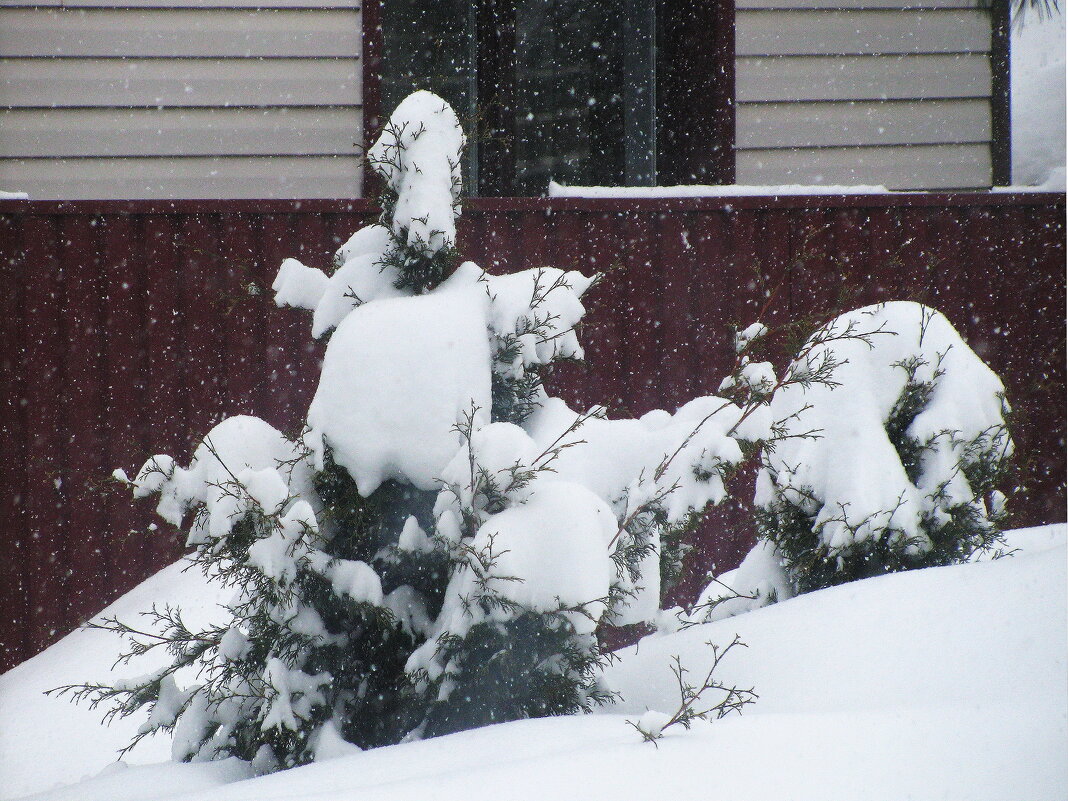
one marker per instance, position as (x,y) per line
(182,4)
(862,77)
(893,92)
(862,123)
(179,132)
(172,178)
(866,32)
(179,82)
(916,167)
(190,101)
(105,32)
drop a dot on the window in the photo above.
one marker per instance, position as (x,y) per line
(562,90)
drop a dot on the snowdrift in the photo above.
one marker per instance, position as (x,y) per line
(947,682)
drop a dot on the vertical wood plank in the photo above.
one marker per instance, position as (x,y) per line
(14,434)
(532,250)
(876,273)
(675,254)
(948,295)
(304,240)
(980,277)
(471,236)
(604,334)
(167,396)
(848,234)
(567,239)
(812,288)
(126,416)
(244,317)
(46,512)
(772,238)
(503,233)
(717,296)
(1035,361)
(84,390)
(203,265)
(641,321)
(288,335)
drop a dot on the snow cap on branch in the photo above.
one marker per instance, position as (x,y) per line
(241,461)
(361,276)
(546,554)
(541,307)
(621,459)
(758,581)
(655,473)
(410,249)
(418,155)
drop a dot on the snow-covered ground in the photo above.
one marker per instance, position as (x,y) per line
(941,683)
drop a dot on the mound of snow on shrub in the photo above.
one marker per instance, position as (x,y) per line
(840,466)
(397,376)
(758,581)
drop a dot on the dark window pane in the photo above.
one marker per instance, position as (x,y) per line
(429,44)
(426,46)
(569,95)
(553,68)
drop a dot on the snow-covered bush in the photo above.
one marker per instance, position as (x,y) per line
(438,548)
(894,463)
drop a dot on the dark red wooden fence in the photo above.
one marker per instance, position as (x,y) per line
(129,328)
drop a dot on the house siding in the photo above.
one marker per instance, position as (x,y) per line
(180,100)
(864,92)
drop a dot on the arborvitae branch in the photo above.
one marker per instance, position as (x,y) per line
(694,703)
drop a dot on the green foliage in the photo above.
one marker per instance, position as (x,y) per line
(505,661)
(517,389)
(415,269)
(674,547)
(514,397)
(532,665)
(363,526)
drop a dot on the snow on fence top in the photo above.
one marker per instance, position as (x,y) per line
(733,190)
